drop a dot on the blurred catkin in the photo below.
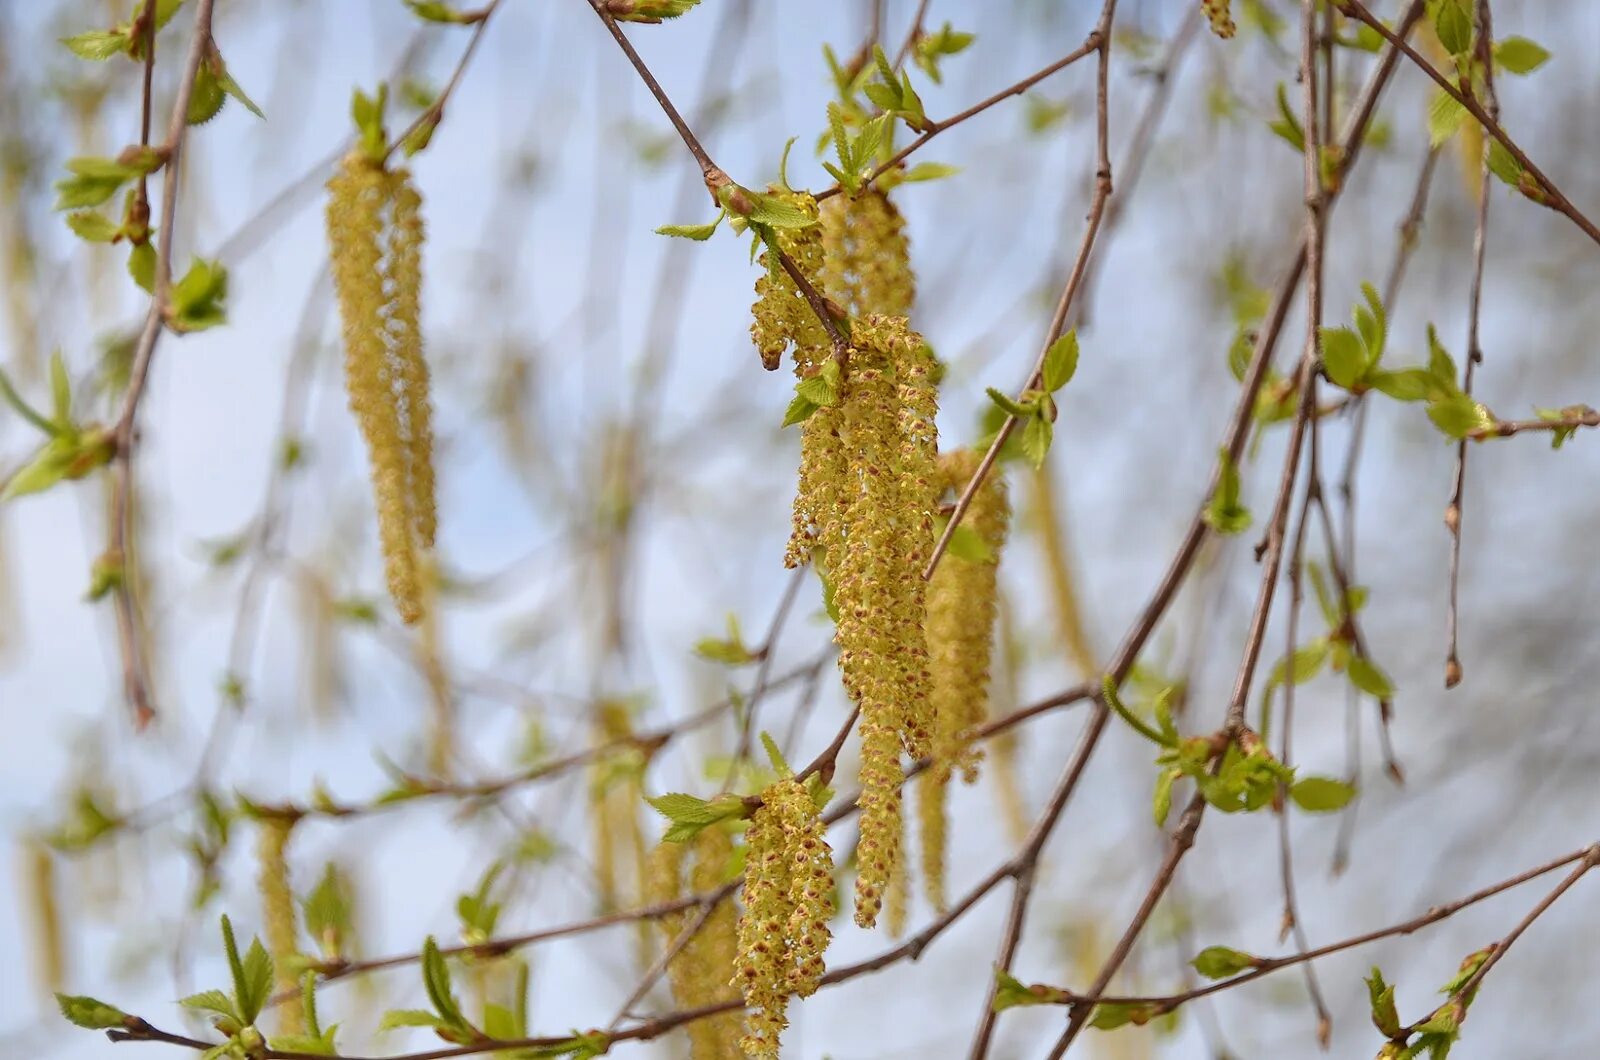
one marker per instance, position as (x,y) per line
(375,235)
(960,634)
(278,917)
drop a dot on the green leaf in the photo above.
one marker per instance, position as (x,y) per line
(435,11)
(1304,664)
(142,266)
(1061,361)
(1224,513)
(8,393)
(1108,1016)
(1037,435)
(206,98)
(799,410)
(90,1013)
(1404,384)
(1452,21)
(1321,794)
(780,765)
(1384,1015)
(700,233)
(1440,364)
(689,814)
(656,11)
(255,986)
(436,980)
(213,1001)
(1458,415)
(1011,992)
(197,298)
(68,455)
(925,171)
(1162,801)
(1503,164)
(1365,675)
(821,388)
(305,1043)
(219,70)
(1014,408)
(1519,55)
(1288,125)
(776,212)
(94,226)
(1344,361)
(967,544)
(408,1017)
(94,180)
(328,911)
(1445,116)
(367,113)
(99,45)
(1219,962)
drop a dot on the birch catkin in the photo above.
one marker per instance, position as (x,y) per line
(375,234)
(278,917)
(700,974)
(962,606)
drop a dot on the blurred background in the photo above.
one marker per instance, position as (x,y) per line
(614,484)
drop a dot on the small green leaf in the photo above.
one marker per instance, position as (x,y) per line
(1061,361)
(1519,55)
(89,1013)
(99,45)
(1037,435)
(1343,359)
(1458,415)
(1452,21)
(967,544)
(776,212)
(799,410)
(1365,675)
(1321,794)
(435,11)
(925,171)
(1504,165)
(197,298)
(780,765)
(699,233)
(213,1001)
(1014,408)
(256,984)
(1224,513)
(142,266)
(1011,992)
(92,225)
(408,1017)
(1162,802)
(1384,1015)
(1108,1016)
(1288,124)
(206,98)
(1219,962)
(1404,384)
(1303,665)
(1445,116)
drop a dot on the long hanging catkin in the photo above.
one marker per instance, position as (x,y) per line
(375,235)
(960,633)
(700,974)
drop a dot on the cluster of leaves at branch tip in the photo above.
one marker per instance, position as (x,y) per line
(446,13)
(962,605)
(1240,775)
(375,234)
(1337,648)
(70,451)
(1436,1035)
(1035,407)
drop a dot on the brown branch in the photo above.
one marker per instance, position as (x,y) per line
(1098,41)
(930,129)
(1557,200)
(130,635)
(1582,416)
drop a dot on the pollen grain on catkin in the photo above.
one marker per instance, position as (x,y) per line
(788,901)
(1221,18)
(375,236)
(962,607)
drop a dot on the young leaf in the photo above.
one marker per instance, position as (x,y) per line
(699,233)
(1445,116)
(1061,361)
(1343,359)
(1365,675)
(255,986)
(1219,962)
(1452,21)
(89,1013)
(1384,1015)
(1224,513)
(1458,415)
(1321,794)
(213,1001)
(1037,435)
(197,298)
(1011,992)
(99,45)
(436,981)
(1519,55)
(1014,408)
(779,765)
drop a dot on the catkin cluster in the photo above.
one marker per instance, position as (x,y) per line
(960,630)
(865,264)
(781,317)
(699,975)
(375,234)
(788,901)
(1221,18)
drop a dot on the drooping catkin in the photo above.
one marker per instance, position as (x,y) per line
(41,911)
(375,235)
(788,901)
(1221,18)
(781,317)
(700,974)
(278,917)
(960,635)
(866,266)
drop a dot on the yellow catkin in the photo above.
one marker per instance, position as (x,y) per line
(699,975)
(960,635)
(866,267)
(1002,746)
(1221,18)
(278,917)
(781,317)
(375,236)
(42,913)
(788,901)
